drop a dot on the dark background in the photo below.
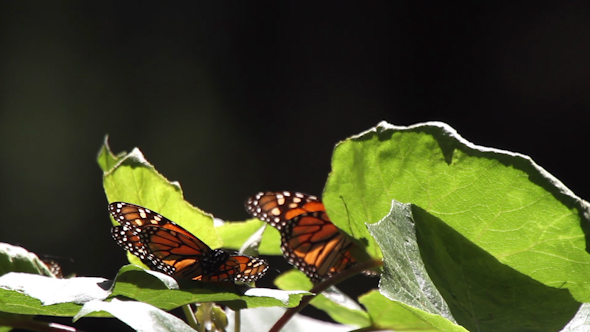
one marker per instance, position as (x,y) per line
(231,98)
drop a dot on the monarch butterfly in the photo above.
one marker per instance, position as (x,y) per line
(166,247)
(309,240)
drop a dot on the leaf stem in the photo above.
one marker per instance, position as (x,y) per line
(190,316)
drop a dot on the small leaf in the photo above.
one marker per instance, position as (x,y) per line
(140,316)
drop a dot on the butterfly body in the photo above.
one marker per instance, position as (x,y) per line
(166,247)
(309,240)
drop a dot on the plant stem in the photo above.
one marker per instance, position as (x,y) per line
(190,316)
(237,320)
(322,286)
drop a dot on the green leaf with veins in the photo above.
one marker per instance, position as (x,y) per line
(496,232)
(499,200)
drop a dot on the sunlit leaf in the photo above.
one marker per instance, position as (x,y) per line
(161,291)
(503,240)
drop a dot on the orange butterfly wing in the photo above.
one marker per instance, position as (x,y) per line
(167,247)
(309,240)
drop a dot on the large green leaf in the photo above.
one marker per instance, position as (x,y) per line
(501,201)
(492,225)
